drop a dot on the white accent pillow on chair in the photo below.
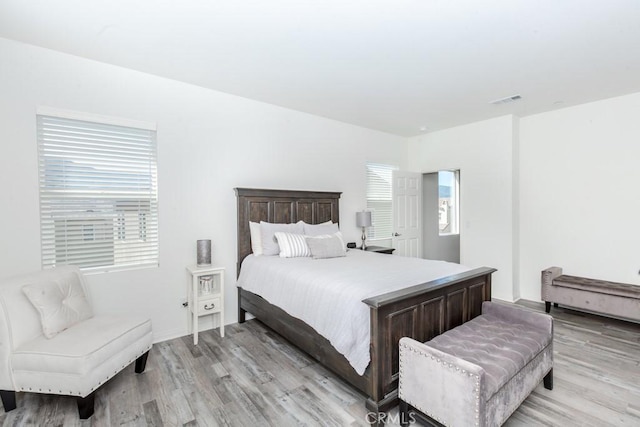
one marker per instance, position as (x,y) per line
(61,304)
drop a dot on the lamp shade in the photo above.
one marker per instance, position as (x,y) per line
(363,219)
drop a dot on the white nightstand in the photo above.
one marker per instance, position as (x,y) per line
(202,303)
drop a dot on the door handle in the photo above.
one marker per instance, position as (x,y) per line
(396,234)
(209,307)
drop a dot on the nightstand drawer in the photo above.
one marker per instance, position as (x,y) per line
(209,305)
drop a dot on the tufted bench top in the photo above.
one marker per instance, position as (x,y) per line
(599,286)
(500,347)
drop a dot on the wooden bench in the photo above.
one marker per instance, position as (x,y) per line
(620,300)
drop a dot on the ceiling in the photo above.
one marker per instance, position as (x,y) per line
(400,66)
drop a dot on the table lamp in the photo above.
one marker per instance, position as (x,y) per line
(363,219)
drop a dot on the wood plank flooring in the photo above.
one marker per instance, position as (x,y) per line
(253,377)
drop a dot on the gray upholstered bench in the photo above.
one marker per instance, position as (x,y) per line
(599,296)
(480,372)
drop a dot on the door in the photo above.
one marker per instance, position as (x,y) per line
(440,206)
(407,213)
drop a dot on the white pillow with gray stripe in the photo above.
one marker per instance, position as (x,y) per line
(268,230)
(292,245)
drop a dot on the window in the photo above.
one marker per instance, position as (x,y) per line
(98,193)
(448,201)
(379,200)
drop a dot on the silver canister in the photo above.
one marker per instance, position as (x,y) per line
(204,252)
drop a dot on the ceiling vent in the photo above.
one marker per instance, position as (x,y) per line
(506,100)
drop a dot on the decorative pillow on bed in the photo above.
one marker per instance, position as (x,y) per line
(61,304)
(292,245)
(320,229)
(256,238)
(326,246)
(268,230)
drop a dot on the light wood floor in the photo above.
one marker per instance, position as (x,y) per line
(252,377)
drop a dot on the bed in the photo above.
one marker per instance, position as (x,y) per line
(420,311)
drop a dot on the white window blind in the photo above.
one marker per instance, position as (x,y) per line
(98,194)
(379,200)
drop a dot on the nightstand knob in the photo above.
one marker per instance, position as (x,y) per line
(209,307)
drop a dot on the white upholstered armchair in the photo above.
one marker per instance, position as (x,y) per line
(50,341)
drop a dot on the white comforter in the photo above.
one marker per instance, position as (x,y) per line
(327,294)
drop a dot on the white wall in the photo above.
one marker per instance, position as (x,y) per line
(557,188)
(208,143)
(483,152)
(579,192)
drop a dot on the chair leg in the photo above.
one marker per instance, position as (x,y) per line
(548,380)
(8,400)
(141,363)
(85,405)
(547,306)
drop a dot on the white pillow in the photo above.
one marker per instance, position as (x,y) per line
(327,246)
(61,304)
(292,245)
(268,230)
(320,229)
(256,238)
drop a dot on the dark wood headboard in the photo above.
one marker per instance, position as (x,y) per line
(281,206)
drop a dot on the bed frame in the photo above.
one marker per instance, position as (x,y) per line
(420,312)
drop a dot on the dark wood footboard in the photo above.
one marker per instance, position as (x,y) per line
(420,312)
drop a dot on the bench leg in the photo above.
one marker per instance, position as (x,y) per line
(85,405)
(8,400)
(141,363)
(403,411)
(547,306)
(548,380)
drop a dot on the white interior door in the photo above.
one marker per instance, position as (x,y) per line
(407,213)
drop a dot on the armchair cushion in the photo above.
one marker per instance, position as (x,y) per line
(79,359)
(60,304)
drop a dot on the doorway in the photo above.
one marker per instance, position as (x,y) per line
(441,215)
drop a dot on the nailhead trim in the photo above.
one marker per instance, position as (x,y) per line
(71,393)
(444,364)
